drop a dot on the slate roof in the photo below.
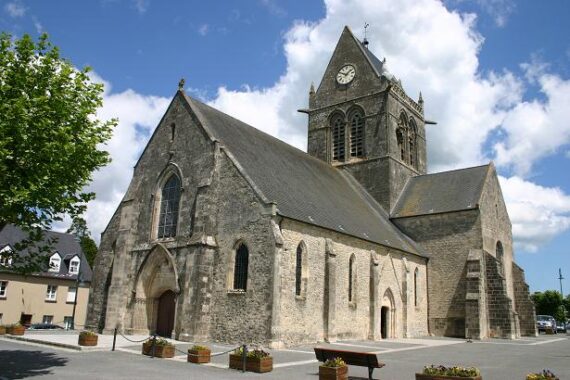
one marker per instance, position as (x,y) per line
(304,188)
(66,245)
(441,192)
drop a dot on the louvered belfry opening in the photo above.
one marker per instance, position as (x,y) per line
(240,269)
(338,137)
(356,134)
(169,202)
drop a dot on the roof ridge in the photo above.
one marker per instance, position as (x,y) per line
(451,171)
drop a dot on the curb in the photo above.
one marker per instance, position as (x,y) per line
(44,342)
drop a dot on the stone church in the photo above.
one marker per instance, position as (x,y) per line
(228,234)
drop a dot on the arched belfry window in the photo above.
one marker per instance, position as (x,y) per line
(412,136)
(500,258)
(240,267)
(338,137)
(416,298)
(352,279)
(402,137)
(169,202)
(356,120)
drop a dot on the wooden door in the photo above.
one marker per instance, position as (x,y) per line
(165,317)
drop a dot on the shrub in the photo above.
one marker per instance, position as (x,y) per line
(258,353)
(159,342)
(87,333)
(546,374)
(335,362)
(197,347)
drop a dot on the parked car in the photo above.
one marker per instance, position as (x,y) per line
(546,322)
(561,327)
(44,326)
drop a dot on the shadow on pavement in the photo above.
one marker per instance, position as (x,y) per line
(17,364)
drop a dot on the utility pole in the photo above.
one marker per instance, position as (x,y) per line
(560,278)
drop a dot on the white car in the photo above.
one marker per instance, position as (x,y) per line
(546,322)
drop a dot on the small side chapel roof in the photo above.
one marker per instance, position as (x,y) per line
(304,188)
(449,191)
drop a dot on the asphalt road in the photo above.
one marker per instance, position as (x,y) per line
(497,360)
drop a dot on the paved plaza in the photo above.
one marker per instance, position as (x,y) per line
(497,359)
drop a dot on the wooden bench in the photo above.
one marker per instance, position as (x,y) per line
(362,359)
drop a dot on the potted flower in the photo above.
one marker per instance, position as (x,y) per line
(333,369)
(88,338)
(440,372)
(16,329)
(546,374)
(199,354)
(257,360)
(162,348)
(2,330)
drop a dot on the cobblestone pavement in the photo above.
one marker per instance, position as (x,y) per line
(497,359)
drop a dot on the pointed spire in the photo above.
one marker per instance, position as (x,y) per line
(312,96)
(312,89)
(420,99)
(181,84)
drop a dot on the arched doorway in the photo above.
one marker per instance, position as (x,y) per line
(165,314)
(387,316)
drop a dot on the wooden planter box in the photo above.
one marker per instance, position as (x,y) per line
(16,330)
(88,340)
(333,373)
(2,330)
(421,376)
(163,352)
(199,356)
(259,365)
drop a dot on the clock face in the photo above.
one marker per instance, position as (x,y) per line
(345,74)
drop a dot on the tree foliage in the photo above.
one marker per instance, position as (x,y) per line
(49,134)
(549,303)
(79,229)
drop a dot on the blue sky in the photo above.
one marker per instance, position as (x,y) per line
(495,74)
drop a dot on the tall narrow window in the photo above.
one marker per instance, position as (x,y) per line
(356,134)
(240,268)
(500,258)
(412,142)
(338,137)
(74,265)
(3,287)
(51,294)
(416,272)
(351,279)
(168,218)
(299,270)
(402,137)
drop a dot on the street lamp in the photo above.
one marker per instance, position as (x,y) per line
(77,283)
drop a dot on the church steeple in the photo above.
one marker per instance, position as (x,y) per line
(361,120)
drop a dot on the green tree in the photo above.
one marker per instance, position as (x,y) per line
(79,228)
(548,303)
(49,135)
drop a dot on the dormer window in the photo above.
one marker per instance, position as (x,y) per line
(74,265)
(54,263)
(6,256)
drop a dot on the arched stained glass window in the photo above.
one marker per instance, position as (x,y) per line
(169,202)
(356,134)
(338,137)
(240,268)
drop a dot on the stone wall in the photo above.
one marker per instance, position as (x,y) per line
(303,319)
(503,320)
(476,312)
(448,237)
(523,302)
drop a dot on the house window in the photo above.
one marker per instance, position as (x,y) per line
(54,263)
(356,134)
(1,315)
(416,272)
(74,265)
(351,279)
(67,322)
(47,319)
(71,292)
(51,294)
(240,268)
(338,137)
(6,259)
(3,288)
(170,199)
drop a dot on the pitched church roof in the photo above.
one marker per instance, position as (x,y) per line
(304,188)
(453,190)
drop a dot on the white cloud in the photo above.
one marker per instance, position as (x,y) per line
(39,27)
(15,9)
(499,10)
(141,5)
(203,29)
(537,213)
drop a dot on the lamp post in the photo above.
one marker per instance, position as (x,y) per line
(77,282)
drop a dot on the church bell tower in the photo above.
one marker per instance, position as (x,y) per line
(362,121)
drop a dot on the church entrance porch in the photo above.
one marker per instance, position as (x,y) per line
(165,317)
(384,316)
(388,316)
